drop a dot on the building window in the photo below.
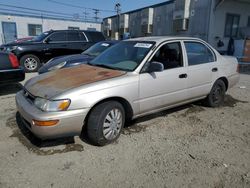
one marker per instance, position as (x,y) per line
(248,22)
(232,25)
(74,28)
(34,29)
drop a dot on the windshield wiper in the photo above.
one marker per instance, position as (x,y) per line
(108,67)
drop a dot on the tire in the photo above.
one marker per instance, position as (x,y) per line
(217,94)
(100,129)
(30,63)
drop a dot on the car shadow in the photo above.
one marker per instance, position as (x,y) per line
(10,89)
(36,145)
(159,114)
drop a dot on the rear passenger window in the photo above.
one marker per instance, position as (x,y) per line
(198,53)
(73,36)
(94,36)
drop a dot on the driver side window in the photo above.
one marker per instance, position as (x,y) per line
(170,55)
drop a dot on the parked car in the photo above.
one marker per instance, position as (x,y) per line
(23,39)
(10,71)
(73,60)
(33,53)
(134,78)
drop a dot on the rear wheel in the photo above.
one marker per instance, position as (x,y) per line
(217,94)
(105,122)
(31,63)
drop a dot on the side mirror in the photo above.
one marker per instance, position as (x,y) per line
(47,40)
(155,66)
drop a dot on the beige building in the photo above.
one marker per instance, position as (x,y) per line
(20,26)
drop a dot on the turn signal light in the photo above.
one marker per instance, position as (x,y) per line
(45,123)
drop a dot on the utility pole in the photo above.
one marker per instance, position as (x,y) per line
(118,12)
(96,12)
(85,15)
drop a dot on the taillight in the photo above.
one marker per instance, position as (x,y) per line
(14,61)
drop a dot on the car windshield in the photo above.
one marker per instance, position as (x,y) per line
(40,37)
(126,55)
(96,49)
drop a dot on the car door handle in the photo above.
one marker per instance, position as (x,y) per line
(183,76)
(215,69)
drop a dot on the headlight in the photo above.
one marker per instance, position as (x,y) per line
(10,48)
(52,106)
(60,65)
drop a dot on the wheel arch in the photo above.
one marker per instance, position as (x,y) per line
(225,80)
(37,54)
(126,105)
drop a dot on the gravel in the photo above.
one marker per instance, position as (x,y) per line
(188,146)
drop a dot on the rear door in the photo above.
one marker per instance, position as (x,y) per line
(201,63)
(77,42)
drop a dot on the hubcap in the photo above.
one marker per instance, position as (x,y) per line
(30,63)
(112,124)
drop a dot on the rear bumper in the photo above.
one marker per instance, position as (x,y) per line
(11,76)
(70,122)
(233,80)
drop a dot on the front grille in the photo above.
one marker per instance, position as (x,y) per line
(28,96)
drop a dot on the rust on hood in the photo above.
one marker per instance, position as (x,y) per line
(55,82)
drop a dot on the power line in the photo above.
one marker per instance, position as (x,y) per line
(96,12)
(79,7)
(45,15)
(32,9)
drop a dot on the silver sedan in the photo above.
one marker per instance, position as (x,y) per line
(133,78)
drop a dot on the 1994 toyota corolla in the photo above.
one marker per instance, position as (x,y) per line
(131,79)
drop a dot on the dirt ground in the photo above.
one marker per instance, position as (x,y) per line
(189,146)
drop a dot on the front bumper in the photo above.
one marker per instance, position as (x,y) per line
(70,122)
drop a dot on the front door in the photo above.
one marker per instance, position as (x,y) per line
(9,31)
(166,88)
(56,45)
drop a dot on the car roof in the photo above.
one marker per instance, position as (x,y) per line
(73,31)
(160,39)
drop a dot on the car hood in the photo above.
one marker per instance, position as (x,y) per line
(19,43)
(56,82)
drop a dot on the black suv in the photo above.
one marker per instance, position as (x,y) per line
(41,48)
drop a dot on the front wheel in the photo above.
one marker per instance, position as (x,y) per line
(217,94)
(105,123)
(31,63)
